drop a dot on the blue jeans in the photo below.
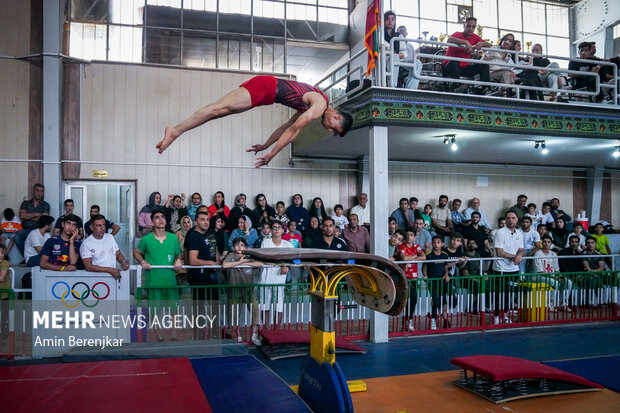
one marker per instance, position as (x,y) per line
(20,238)
(34,261)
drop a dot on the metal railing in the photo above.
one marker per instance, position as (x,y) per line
(518,87)
(462,303)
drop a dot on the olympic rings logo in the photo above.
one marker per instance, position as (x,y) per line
(81,297)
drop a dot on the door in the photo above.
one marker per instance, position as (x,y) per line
(116,202)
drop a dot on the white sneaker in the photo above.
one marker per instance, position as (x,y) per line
(507,320)
(496,320)
(433,324)
(239,339)
(256,340)
(411,328)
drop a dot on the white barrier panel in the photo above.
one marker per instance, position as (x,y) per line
(78,309)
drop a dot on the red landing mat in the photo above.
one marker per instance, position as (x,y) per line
(509,368)
(151,385)
(275,337)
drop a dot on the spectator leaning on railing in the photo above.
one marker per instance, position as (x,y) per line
(469,41)
(62,252)
(100,252)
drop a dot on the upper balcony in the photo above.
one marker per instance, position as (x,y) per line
(492,122)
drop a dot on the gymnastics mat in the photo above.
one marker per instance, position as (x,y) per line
(280,344)
(154,385)
(244,384)
(601,370)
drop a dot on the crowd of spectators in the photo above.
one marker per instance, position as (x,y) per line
(174,234)
(498,67)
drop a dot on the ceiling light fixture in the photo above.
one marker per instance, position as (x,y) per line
(543,145)
(616,152)
(454,146)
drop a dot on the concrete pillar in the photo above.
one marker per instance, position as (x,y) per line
(363,176)
(594,193)
(52,75)
(378,145)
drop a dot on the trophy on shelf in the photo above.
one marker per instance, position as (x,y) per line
(442,37)
(479,30)
(528,44)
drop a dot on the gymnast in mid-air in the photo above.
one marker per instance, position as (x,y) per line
(309,102)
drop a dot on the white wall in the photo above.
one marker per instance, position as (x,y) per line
(124,110)
(14,103)
(504,184)
(591,17)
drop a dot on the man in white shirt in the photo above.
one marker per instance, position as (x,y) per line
(362,210)
(475,206)
(531,242)
(36,239)
(508,244)
(100,251)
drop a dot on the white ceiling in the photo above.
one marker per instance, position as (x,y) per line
(310,62)
(424,144)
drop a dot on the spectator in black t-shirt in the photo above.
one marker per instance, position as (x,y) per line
(571,265)
(438,279)
(329,241)
(109,225)
(69,206)
(478,233)
(588,82)
(202,248)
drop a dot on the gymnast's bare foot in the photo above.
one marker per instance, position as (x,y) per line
(169,137)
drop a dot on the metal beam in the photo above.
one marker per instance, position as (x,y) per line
(53,18)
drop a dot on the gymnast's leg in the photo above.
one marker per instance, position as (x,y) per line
(237,101)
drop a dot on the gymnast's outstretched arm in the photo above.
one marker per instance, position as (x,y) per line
(275,135)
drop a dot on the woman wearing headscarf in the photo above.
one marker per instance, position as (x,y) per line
(239,210)
(217,226)
(298,213)
(560,234)
(317,209)
(245,231)
(175,207)
(263,211)
(193,205)
(144,217)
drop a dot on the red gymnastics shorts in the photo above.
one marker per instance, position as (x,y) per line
(262,90)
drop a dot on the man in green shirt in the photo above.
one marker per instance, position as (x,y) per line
(160,248)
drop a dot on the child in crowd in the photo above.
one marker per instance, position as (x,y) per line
(8,227)
(292,235)
(531,212)
(196,201)
(281,213)
(265,233)
(338,233)
(578,231)
(247,295)
(395,240)
(392,226)
(426,216)
(544,215)
(438,277)
(410,251)
(340,220)
(602,242)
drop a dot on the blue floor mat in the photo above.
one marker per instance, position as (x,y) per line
(601,370)
(244,384)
